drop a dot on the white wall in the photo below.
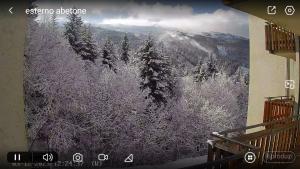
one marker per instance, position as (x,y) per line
(267,72)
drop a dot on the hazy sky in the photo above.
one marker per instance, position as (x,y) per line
(186,15)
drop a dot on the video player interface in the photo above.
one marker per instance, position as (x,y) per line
(150,84)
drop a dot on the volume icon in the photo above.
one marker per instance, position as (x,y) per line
(48,157)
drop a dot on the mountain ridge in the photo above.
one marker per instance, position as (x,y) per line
(186,50)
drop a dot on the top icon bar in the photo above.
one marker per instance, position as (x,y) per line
(288,10)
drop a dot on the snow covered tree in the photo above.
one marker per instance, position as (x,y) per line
(205,70)
(156,73)
(88,51)
(108,55)
(125,50)
(241,76)
(53,22)
(32,5)
(73,32)
(198,72)
(211,67)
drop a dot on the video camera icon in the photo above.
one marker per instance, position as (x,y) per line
(102,157)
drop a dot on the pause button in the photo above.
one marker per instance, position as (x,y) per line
(19,157)
(250,157)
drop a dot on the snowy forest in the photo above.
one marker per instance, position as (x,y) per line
(157,95)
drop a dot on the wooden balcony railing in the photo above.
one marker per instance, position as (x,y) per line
(277,108)
(279,40)
(280,135)
(227,149)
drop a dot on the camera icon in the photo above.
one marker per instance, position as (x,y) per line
(289,10)
(77,158)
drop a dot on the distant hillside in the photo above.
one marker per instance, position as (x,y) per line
(186,50)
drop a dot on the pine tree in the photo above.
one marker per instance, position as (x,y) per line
(241,76)
(125,49)
(198,72)
(205,70)
(156,74)
(108,55)
(32,5)
(89,51)
(211,67)
(73,31)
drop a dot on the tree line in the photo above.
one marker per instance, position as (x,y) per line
(155,68)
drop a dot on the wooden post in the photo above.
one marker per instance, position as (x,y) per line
(230,164)
(210,155)
(218,157)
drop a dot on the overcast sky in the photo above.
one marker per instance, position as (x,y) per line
(187,15)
